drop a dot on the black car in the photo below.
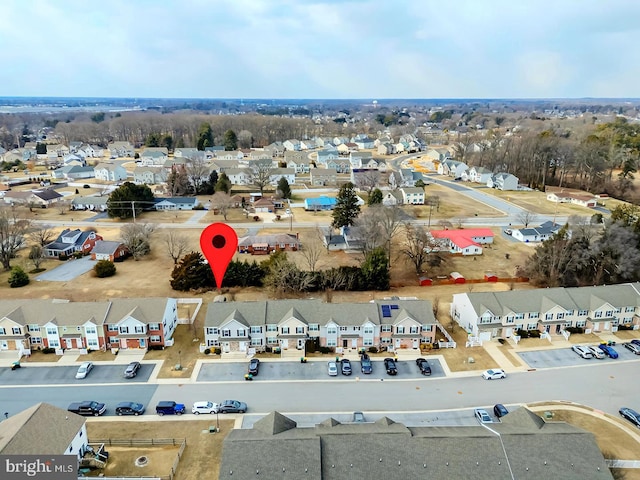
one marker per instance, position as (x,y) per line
(129,408)
(232,406)
(345,366)
(424,366)
(254,366)
(390,366)
(365,364)
(500,410)
(631,415)
(132,370)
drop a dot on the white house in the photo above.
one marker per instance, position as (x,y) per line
(452,168)
(536,234)
(110,172)
(503,181)
(277,173)
(479,175)
(238,176)
(412,195)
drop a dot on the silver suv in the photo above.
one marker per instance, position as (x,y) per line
(583,351)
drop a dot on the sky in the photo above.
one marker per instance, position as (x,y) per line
(316,49)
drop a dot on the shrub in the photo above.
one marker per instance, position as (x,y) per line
(575,329)
(217,350)
(104,268)
(18,278)
(534,333)
(207,351)
(156,347)
(48,350)
(198,207)
(77,255)
(62,257)
(625,327)
(502,341)
(522,333)
(373,349)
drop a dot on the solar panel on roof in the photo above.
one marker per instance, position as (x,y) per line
(386,314)
(394,307)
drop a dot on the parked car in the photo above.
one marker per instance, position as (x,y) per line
(132,370)
(232,406)
(500,410)
(608,350)
(358,417)
(84,369)
(332,369)
(583,351)
(633,347)
(204,407)
(345,366)
(494,374)
(424,366)
(636,341)
(87,408)
(482,415)
(390,366)
(366,366)
(631,415)
(129,408)
(596,352)
(170,408)
(254,366)
(508,231)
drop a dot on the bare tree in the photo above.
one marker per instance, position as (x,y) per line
(391,218)
(261,171)
(526,218)
(41,235)
(222,202)
(178,182)
(197,172)
(312,249)
(367,180)
(12,233)
(435,306)
(177,244)
(62,206)
(137,238)
(416,246)
(36,255)
(367,230)
(31,204)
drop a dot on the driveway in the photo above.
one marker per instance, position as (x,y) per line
(68,270)
(55,375)
(565,357)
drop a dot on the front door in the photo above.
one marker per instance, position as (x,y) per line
(143,343)
(607,326)
(345,343)
(284,343)
(4,345)
(354,343)
(226,348)
(547,328)
(416,343)
(398,342)
(558,329)
(123,343)
(68,342)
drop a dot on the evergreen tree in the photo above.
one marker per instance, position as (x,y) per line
(205,136)
(223,184)
(375,270)
(284,188)
(104,268)
(375,198)
(230,141)
(192,273)
(153,140)
(18,278)
(120,201)
(347,208)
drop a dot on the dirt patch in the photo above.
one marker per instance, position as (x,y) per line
(507,351)
(200,459)
(122,461)
(184,352)
(97,356)
(627,334)
(462,358)
(584,338)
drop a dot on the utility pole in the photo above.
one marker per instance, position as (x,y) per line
(133,209)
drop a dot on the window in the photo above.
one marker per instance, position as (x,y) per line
(257,329)
(272,328)
(626,320)
(16,330)
(629,309)
(90,330)
(210,330)
(155,338)
(92,342)
(272,340)
(139,329)
(560,316)
(583,313)
(332,330)
(609,313)
(54,343)
(385,328)
(331,342)
(598,315)
(510,319)
(113,340)
(427,328)
(242,332)
(314,327)
(519,316)
(581,323)
(368,330)
(226,332)
(154,326)
(414,329)
(284,330)
(356,328)
(533,315)
(385,340)
(256,341)
(36,339)
(343,329)
(50,331)
(34,328)
(123,329)
(110,328)
(212,343)
(367,342)
(569,313)
(532,326)
(548,316)
(618,310)
(300,330)
(399,329)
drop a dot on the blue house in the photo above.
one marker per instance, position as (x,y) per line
(319,203)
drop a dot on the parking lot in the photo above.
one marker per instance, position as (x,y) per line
(221,372)
(63,375)
(566,357)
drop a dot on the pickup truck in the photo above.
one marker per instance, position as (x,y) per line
(88,408)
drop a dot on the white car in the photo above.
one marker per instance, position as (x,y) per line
(582,350)
(204,407)
(84,369)
(494,374)
(596,352)
(482,416)
(332,369)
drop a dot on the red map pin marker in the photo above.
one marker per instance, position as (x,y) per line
(219,243)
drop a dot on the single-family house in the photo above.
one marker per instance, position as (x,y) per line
(452,168)
(488,315)
(73,172)
(321,177)
(392,197)
(98,204)
(503,181)
(412,195)
(326,154)
(154,156)
(536,234)
(364,142)
(340,165)
(466,241)
(239,176)
(479,175)
(264,205)
(73,160)
(70,242)
(289,174)
(276,149)
(308,144)
(386,148)
(120,149)
(109,250)
(292,144)
(266,244)
(41,198)
(320,203)
(300,165)
(176,203)
(91,151)
(149,175)
(230,155)
(575,197)
(110,172)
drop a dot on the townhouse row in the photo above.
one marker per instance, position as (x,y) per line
(605,308)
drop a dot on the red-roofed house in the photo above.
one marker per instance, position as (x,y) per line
(467,241)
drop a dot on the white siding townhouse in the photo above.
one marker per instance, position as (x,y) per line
(488,315)
(110,172)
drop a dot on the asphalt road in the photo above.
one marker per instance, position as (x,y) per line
(603,385)
(566,357)
(59,375)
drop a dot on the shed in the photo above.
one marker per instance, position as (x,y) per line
(490,277)
(457,277)
(425,282)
